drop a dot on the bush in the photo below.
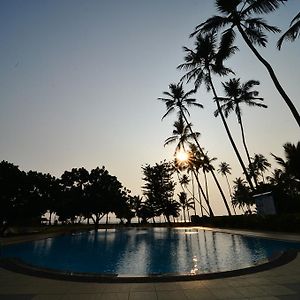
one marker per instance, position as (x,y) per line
(285,222)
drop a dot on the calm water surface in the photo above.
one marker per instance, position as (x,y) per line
(147,251)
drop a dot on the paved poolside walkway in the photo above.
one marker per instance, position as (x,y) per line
(279,283)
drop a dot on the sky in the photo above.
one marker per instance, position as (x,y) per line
(79,82)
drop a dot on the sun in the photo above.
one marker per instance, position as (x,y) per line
(182,156)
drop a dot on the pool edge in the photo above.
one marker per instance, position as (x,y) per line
(18,266)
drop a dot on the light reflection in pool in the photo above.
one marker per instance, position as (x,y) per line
(137,251)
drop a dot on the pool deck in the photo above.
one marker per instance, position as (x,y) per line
(279,283)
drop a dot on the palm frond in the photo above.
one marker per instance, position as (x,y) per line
(295,18)
(223,99)
(249,84)
(170,140)
(291,34)
(257,104)
(279,160)
(216,112)
(226,48)
(169,111)
(212,24)
(261,24)
(256,37)
(262,6)
(187,94)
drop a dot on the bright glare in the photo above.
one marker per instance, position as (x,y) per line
(182,156)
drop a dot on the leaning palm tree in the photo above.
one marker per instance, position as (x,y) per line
(292,33)
(238,14)
(236,95)
(200,65)
(200,160)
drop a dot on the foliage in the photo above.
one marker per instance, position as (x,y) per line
(159,190)
(292,33)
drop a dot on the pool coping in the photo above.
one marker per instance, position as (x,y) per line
(18,266)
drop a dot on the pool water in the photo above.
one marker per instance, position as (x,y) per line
(138,252)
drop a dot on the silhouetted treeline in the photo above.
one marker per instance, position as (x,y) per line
(77,195)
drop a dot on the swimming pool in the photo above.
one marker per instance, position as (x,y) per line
(147,252)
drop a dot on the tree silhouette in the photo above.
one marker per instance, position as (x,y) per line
(292,163)
(178,99)
(185,204)
(159,189)
(103,194)
(200,64)
(259,165)
(238,14)
(182,134)
(224,170)
(236,95)
(241,195)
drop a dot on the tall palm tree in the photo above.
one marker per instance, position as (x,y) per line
(224,170)
(292,33)
(206,168)
(201,160)
(178,99)
(182,134)
(238,14)
(185,203)
(237,94)
(194,164)
(260,165)
(200,64)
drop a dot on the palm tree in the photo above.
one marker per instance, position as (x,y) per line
(201,160)
(292,33)
(260,164)
(238,14)
(241,196)
(207,167)
(182,134)
(193,165)
(200,64)
(224,169)
(292,163)
(185,204)
(237,94)
(178,99)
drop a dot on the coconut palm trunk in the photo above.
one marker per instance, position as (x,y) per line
(200,201)
(272,75)
(206,185)
(193,189)
(246,149)
(230,193)
(203,194)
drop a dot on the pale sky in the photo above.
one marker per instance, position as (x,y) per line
(79,82)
